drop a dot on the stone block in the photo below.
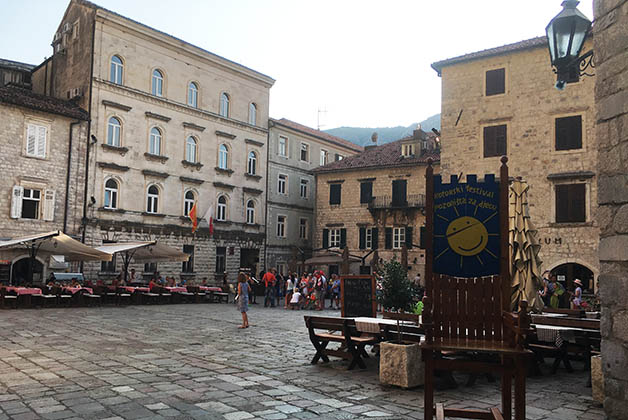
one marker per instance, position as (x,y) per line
(597,379)
(401,365)
(615,357)
(613,189)
(620,222)
(614,248)
(612,288)
(620,326)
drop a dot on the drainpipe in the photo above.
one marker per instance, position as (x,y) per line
(270,125)
(67,178)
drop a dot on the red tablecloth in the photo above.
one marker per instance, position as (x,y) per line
(132,289)
(210,288)
(73,290)
(176,289)
(24,290)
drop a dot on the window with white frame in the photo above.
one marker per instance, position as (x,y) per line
(31,204)
(223,157)
(188,202)
(252,114)
(282,184)
(111,194)
(368,238)
(114,129)
(283,146)
(250,212)
(281,226)
(252,164)
(407,149)
(305,152)
(157,86)
(399,237)
(334,238)
(324,155)
(303,228)
(221,213)
(303,189)
(36,137)
(190,149)
(115,74)
(152,199)
(154,143)
(193,94)
(224,105)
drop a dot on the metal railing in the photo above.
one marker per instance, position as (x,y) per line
(387,202)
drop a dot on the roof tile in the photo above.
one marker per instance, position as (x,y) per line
(29,99)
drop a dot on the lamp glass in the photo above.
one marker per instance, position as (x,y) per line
(566,33)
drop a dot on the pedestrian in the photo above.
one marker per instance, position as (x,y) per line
(243,299)
(335,292)
(576,300)
(252,287)
(269,280)
(289,289)
(278,288)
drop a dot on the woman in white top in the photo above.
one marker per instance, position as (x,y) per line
(289,289)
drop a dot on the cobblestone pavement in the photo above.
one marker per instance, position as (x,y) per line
(192,362)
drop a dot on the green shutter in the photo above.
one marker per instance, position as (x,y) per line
(389,238)
(375,233)
(362,238)
(343,238)
(409,237)
(325,238)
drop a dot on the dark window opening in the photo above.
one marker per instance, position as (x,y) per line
(495,141)
(366,192)
(569,133)
(109,266)
(570,203)
(335,193)
(188,266)
(221,259)
(399,193)
(495,82)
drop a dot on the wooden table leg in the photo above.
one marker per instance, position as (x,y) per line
(520,389)
(428,394)
(507,388)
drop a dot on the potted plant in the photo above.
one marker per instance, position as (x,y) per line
(399,362)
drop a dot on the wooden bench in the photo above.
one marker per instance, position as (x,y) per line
(574,313)
(339,330)
(217,297)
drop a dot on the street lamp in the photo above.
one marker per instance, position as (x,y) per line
(565,37)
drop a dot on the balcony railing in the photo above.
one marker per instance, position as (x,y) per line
(412,201)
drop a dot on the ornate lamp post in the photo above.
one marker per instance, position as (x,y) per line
(565,36)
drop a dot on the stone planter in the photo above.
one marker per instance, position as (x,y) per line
(400,365)
(597,379)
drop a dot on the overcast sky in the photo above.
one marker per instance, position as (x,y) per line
(367,63)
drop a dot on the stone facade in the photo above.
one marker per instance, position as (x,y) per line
(611,99)
(170,123)
(295,205)
(48,187)
(528,107)
(356,214)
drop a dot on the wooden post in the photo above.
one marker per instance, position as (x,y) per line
(504,260)
(429,228)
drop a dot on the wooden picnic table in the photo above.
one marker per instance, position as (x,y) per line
(372,325)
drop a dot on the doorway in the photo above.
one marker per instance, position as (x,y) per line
(249,258)
(20,272)
(567,273)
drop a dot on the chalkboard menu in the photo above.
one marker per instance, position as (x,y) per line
(358,296)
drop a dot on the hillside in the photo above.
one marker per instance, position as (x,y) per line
(362,135)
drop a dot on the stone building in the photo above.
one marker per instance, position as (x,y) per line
(376,201)
(611,101)
(42,173)
(294,151)
(172,125)
(502,101)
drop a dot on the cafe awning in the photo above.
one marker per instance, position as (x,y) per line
(56,243)
(150,251)
(329,258)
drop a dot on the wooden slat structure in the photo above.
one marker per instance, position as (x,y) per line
(469,316)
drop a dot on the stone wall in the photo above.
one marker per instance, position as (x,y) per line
(611,96)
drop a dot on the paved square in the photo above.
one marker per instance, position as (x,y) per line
(192,362)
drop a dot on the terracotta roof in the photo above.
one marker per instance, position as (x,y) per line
(386,155)
(538,42)
(319,134)
(29,99)
(94,6)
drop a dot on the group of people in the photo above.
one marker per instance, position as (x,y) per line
(309,291)
(554,293)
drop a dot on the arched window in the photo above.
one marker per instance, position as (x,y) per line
(224,105)
(154,143)
(190,149)
(115,75)
(111,194)
(250,212)
(252,114)
(193,94)
(223,157)
(221,214)
(113,132)
(158,83)
(252,163)
(152,201)
(188,202)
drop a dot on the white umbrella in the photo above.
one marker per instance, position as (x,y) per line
(56,243)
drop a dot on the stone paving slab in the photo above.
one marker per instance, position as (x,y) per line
(192,362)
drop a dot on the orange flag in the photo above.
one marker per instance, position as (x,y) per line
(192,215)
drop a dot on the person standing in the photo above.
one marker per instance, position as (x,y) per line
(243,299)
(269,280)
(576,300)
(289,290)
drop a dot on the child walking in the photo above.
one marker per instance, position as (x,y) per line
(243,299)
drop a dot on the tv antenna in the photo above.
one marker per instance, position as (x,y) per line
(318,118)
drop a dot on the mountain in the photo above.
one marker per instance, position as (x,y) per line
(362,135)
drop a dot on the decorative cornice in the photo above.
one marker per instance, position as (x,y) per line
(191,180)
(111,210)
(290,206)
(156,174)
(336,181)
(116,105)
(224,171)
(193,126)
(113,166)
(254,177)
(254,142)
(188,164)
(225,134)
(366,179)
(572,175)
(159,158)
(334,224)
(145,213)
(252,190)
(157,116)
(218,184)
(122,150)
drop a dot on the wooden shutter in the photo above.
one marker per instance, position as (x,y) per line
(375,238)
(366,192)
(49,205)
(335,192)
(41,141)
(422,233)
(571,203)
(495,82)
(399,192)
(389,238)
(343,238)
(325,238)
(31,140)
(569,133)
(409,237)
(362,238)
(495,141)
(16,202)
